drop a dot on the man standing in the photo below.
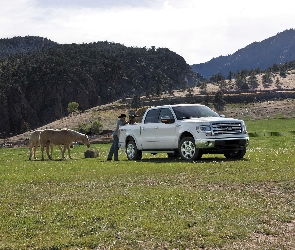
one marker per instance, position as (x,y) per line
(114,147)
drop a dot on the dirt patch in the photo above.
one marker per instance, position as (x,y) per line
(263,110)
(283,239)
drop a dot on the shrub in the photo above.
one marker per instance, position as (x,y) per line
(73,107)
(94,127)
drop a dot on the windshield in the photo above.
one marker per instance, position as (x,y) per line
(186,112)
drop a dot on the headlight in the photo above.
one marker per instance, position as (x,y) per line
(204,128)
(244,129)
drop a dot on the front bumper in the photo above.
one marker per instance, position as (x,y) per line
(222,144)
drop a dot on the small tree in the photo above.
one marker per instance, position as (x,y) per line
(223,85)
(203,87)
(135,102)
(206,100)
(230,76)
(240,80)
(96,127)
(25,127)
(283,73)
(84,127)
(266,79)
(190,91)
(252,81)
(219,102)
(73,107)
(278,83)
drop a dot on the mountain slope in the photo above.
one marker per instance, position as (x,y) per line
(274,50)
(37,81)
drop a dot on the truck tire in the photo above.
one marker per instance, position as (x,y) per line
(236,154)
(187,149)
(132,152)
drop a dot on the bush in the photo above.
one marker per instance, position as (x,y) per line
(94,127)
(73,107)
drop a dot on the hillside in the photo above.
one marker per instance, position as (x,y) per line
(23,45)
(39,78)
(277,49)
(107,114)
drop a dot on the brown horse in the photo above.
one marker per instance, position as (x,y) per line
(61,137)
(35,142)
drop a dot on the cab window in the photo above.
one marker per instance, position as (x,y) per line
(165,113)
(152,116)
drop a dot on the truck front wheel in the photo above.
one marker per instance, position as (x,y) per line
(187,149)
(132,152)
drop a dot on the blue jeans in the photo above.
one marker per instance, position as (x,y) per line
(114,149)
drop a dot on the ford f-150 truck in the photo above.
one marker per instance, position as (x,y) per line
(184,130)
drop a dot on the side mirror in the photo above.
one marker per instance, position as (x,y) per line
(223,116)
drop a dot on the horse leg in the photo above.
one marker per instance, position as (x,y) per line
(68,147)
(47,150)
(51,150)
(30,157)
(42,149)
(34,149)
(63,152)
(60,148)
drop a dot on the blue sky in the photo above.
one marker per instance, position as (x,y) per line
(197,30)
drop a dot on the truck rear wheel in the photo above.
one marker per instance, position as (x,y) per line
(188,150)
(239,154)
(132,152)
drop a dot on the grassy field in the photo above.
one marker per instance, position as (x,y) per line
(156,203)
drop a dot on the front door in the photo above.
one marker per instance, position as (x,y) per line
(148,129)
(165,133)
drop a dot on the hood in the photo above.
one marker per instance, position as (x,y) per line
(210,119)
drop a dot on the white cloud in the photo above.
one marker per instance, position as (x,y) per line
(196,30)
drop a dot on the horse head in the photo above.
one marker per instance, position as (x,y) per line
(86,141)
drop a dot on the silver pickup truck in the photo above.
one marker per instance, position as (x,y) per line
(184,130)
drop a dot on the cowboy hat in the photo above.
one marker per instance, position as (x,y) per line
(122,115)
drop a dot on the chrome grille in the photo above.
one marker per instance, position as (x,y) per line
(226,127)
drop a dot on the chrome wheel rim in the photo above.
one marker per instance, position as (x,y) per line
(188,149)
(130,151)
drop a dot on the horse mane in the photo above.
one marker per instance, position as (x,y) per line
(76,134)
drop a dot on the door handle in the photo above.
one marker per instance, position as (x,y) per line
(156,127)
(178,125)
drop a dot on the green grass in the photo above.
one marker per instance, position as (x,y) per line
(274,125)
(155,203)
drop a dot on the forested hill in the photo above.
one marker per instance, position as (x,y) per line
(274,50)
(38,78)
(19,45)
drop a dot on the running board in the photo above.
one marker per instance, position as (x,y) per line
(156,152)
